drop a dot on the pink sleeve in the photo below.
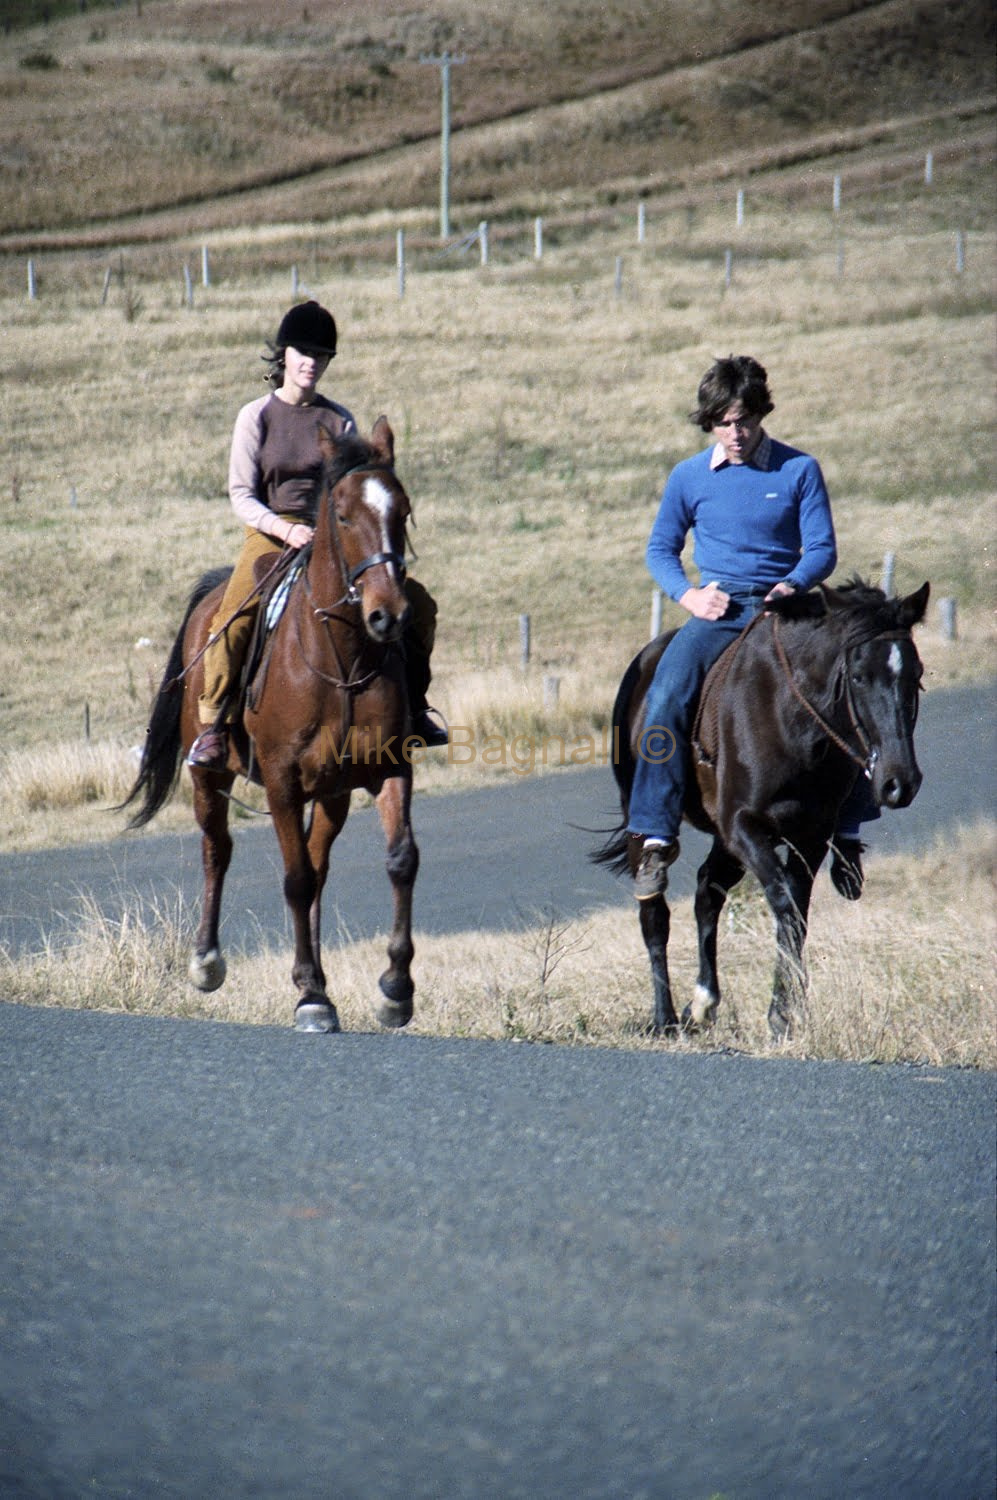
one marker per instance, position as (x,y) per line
(244,470)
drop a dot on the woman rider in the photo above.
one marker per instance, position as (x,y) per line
(275,472)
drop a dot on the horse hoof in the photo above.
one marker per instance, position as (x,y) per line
(780,1025)
(207,970)
(397,1007)
(316,1015)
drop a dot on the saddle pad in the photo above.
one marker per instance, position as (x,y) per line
(278,599)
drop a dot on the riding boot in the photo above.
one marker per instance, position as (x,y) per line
(419,638)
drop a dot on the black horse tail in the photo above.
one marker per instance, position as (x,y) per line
(613,853)
(160,767)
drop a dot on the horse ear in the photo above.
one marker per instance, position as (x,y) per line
(326,442)
(910,611)
(383,440)
(833,598)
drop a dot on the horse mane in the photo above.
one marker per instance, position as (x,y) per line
(353,452)
(860,610)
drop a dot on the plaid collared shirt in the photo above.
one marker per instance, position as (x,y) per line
(758,460)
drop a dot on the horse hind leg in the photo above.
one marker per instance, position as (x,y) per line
(207,967)
(718,874)
(655,922)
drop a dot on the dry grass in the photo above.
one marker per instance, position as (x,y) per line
(536,412)
(190,100)
(904,976)
(534,431)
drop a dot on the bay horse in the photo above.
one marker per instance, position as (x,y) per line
(329,717)
(819,689)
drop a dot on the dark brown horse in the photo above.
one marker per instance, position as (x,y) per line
(328,717)
(820,689)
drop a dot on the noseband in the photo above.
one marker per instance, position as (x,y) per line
(350,575)
(867,761)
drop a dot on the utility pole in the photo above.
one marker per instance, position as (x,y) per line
(444,62)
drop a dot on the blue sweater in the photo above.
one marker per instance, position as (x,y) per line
(754,526)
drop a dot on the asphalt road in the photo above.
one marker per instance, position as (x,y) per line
(490,857)
(238,1262)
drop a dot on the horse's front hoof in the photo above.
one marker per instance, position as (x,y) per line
(702,1013)
(207,970)
(316,1016)
(396,1008)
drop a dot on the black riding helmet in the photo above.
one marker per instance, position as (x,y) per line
(307,326)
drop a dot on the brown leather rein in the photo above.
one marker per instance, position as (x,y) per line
(866,762)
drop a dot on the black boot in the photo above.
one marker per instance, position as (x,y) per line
(847,876)
(417,679)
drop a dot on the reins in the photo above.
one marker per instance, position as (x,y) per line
(257,588)
(866,762)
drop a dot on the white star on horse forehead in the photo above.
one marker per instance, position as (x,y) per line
(377,495)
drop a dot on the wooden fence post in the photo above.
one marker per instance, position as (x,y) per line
(524,640)
(400,258)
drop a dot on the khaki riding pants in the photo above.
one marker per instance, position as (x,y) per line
(224,657)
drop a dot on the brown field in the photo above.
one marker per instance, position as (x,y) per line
(537,405)
(915,990)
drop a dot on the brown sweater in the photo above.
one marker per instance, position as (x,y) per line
(275,464)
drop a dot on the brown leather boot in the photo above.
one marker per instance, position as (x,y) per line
(651,879)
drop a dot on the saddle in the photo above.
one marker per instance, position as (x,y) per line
(272,603)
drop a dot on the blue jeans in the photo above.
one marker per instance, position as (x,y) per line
(658,790)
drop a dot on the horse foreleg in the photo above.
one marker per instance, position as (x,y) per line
(655,922)
(327,824)
(717,874)
(313,1011)
(393,806)
(787,889)
(207,965)
(789,990)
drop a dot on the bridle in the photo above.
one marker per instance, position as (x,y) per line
(866,761)
(349,575)
(353,596)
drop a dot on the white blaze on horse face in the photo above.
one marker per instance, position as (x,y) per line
(895,660)
(377,495)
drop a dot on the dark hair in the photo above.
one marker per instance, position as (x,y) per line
(738,378)
(306,325)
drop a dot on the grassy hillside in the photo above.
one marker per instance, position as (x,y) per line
(127,109)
